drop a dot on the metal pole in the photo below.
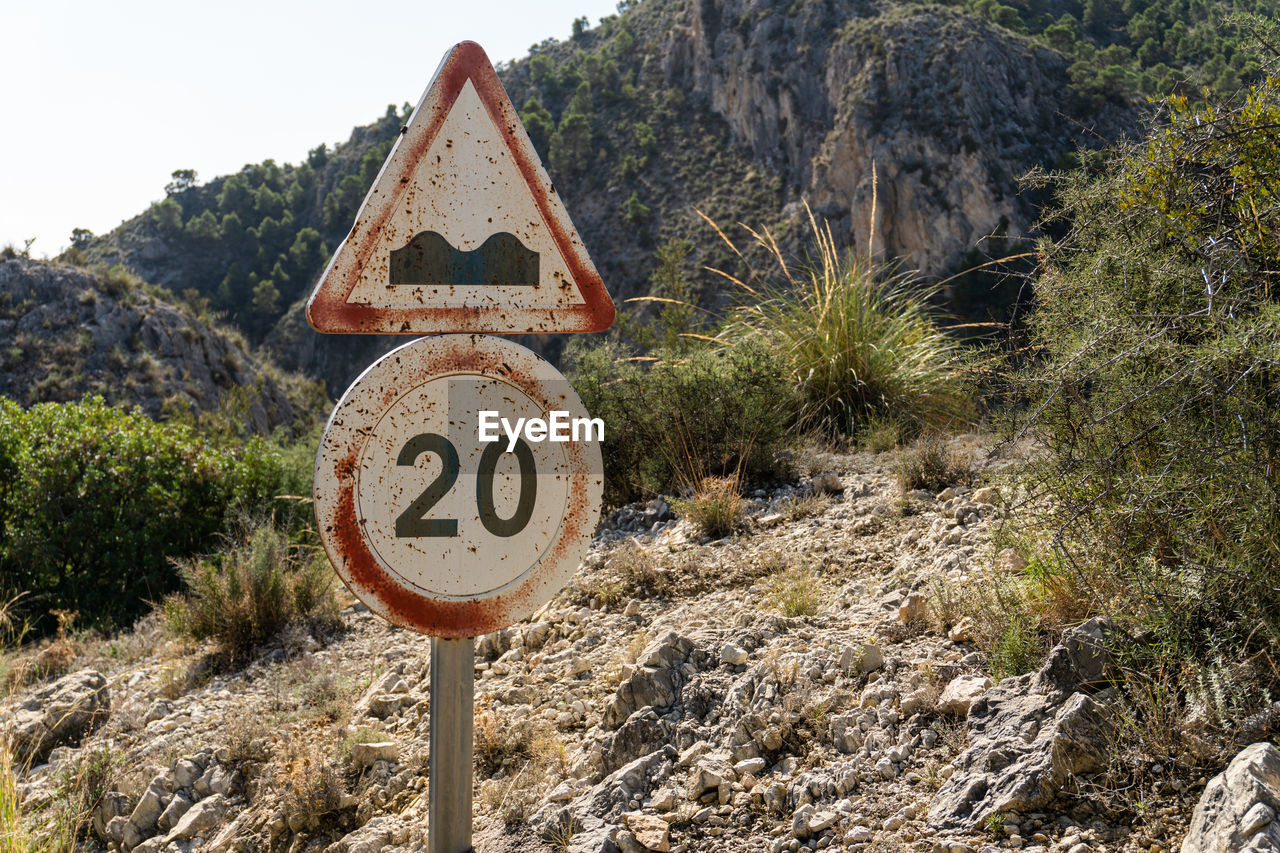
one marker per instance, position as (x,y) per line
(451,744)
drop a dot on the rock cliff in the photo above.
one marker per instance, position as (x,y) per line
(945,109)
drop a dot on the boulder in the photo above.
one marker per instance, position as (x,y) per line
(364,755)
(651,831)
(178,806)
(62,713)
(656,681)
(1029,734)
(712,773)
(593,835)
(733,655)
(373,837)
(961,692)
(149,808)
(914,608)
(640,735)
(1238,808)
(200,818)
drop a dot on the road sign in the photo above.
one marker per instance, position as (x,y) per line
(430,526)
(462,230)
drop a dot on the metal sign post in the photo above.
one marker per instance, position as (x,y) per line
(435,523)
(451,745)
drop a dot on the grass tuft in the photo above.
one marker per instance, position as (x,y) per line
(795,591)
(249,593)
(858,337)
(930,465)
(716,507)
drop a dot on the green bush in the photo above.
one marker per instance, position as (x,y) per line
(857,340)
(95,500)
(670,422)
(1157,398)
(243,596)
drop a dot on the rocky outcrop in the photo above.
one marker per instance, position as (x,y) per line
(1029,734)
(946,109)
(62,713)
(659,674)
(187,801)
(71,332)
(1237,811)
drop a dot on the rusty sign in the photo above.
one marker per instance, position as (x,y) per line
(429,525)
(462,230)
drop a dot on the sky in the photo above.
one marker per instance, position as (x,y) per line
(103,101)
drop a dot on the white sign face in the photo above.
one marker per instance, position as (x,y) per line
(494,518)
(488,205)
(435,528)
(462,230)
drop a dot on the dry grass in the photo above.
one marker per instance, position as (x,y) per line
(880,434)
(799,508)
(51,659)
(636,566)
(59,819)
(795,591)
(716,508)
(518,762)
(309,783)
(930,465)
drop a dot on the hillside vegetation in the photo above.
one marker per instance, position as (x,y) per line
(740,110)
(824,609)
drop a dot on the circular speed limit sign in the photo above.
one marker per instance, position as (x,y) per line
(458,484)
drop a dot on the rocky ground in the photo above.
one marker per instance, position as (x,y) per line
(665,701)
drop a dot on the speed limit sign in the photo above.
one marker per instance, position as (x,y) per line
(458,484)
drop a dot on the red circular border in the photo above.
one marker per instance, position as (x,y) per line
(335,506)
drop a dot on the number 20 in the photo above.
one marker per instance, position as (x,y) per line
(413,522)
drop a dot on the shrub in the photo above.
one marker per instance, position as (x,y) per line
(857,339)
(95,500)
(246,595)
(309,783)
(930,465)
(674,420)
(715,508)
(1157,399)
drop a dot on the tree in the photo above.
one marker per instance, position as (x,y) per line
(318,156)
(266,299)
(80,238)
(580,27)
(203,227)
(167,215)
(571,145)
(539,124)
(183,180)
(637,212)
(307,254)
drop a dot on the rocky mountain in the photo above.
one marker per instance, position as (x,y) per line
(741,109)
(804,685)
(71,332)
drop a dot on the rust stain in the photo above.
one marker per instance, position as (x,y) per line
(338,518)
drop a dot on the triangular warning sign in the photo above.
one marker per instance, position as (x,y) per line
(462,230)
